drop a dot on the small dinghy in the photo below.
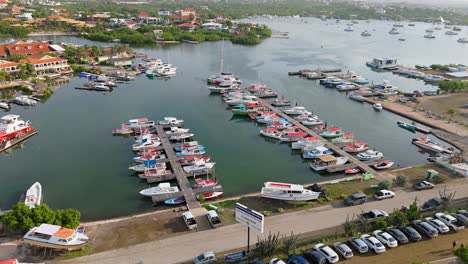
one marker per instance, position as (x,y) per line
(210,195)
(33,195)
(384,165)
(175,201)
(352,171)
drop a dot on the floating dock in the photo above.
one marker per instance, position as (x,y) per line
(15,141)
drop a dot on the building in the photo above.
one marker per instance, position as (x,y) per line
(26,48)
(24,16)
(9,66)
(164,12)
(122,61)
(190,27)
(45,64)
(212,26)
(3,53)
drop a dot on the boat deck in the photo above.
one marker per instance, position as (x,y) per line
(16,141)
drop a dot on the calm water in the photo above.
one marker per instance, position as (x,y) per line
(81,165)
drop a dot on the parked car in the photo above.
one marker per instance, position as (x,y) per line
(461,218)
(411,233)
(373,243)
(374,215)
(359,245)
(295,259)
(189,220)
(343,250)
(450,221)
(424,185)
(463,212)
(314,256)
(277,261)
(385,238)
(439,225)
(205,258)
(355,199)
(384,194)
(213,218)
(397,234)
(329,254)
(425,228)
(432,203)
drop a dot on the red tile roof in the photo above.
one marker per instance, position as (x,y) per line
(189,9)
(186,25)
(38,58)
(143,14)
(6,64)
(26,48)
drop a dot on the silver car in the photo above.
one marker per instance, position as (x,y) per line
(343,250)
(359,245)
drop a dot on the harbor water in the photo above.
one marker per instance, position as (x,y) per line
(81,165)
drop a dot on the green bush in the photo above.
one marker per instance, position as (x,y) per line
(401,180)
(462,254)
(386,184)
(437,179)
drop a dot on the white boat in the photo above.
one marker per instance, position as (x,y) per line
(328,161)
(271,133)
(287,192)
(356,97)
(433,78)
(152,156)
(145,145)
(55,236)
(311,121)
(162,188)
(345,138)
(312,142)
(427,145)
(33,195)
(317,153)
(219,89)
(377,106)
(370,155)
(348,29)
(296,110)
(244,100)
(101,87)
(451,33)
(147,137)
(394,31)
(5,105)
(366,33)
(12,126)
(429,36)
(181,136)
(171,121)
(199,166)
(177,130)
(463,40)
(141,167)
(139,123)
(24,100)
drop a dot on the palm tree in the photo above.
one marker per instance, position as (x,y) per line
(452,112)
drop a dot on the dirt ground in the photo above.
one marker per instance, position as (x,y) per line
(441,104)
(418,173)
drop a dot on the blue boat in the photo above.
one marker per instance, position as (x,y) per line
(317,153)
(406,126)
(180,148)
(175,201)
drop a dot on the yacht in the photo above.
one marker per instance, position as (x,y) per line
(287,192)
(377,107)
(55,236)
(33,195)
(12,126)
(296,110)
(162,188)
(366,33)
(370,155)
(451,33)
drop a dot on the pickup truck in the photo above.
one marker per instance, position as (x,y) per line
(213,218)
(373,215)
(189,220)
(450,221)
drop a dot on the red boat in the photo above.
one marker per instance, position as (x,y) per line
(200,183)
(210,195)
(358,146)
(12,126)
(352,171)
(384,165)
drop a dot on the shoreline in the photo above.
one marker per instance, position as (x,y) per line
(52,33)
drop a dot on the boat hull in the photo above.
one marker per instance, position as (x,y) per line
(290,197)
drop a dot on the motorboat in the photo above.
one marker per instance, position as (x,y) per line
(177,131)
(463,40)
(33,195)
(308,141)
(406,126)
(271,133)
(24,100)
(266,93)
(352,171)
(124,130)
(429,36)
(150,156)
(430,30)
(191,152)
(243,110)
(189,145)
(382,63)
(457,28)
(360,80)
(192,159)
(296,110)
(141,167)
(332,132)
(433,78)
(221,89)
(201,183)
(402,39)
(349,29)
(101,87)
(154,172)
(162,188)
(139,123)
(317,153)
(177,137)
(281,102)
(145,145)
(292,136)
(394,31)
(12,126)
(356,97)
(5,105)
(346,86)
(366,33)
(377,107)
(209,195)
(199,166)
(451,33)
(175,201)
(426,144)
(280,125)
(287,192)
(370,155)
(249,99)
(263,114)
(311,121)
(270,119)
(147,137)
(327,161)
(384,165)
(357,146)
(55,236)
(171,121)
(345,138)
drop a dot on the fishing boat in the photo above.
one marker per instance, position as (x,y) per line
(201,183)
(171,121)
(221,89)
(266,93)
(366,33)
(377,107)
(296,110)
(191,152)
(192,159)
(407,126)
(317,153)
(308,141)
(327,161)
(292,136)
(175,201)
(426,144)
(181,136)
(271,133)
(124,130)
(55,236)
(347,86)
(199,166)
(210,195)
(162,188)
(270,119)
(352,171)
(356,147)
(287,192)
(281,102)
(263,114)
(345,138)
(360,80)
(177,131)
(357,98)
(384,165)
(12,126)
(370,155)
(145,145)
(146,137)
(33,195)
(332,132)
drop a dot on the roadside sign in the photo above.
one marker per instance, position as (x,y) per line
(249,217)
(231,257)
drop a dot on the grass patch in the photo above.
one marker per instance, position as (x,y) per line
(227,203)
(78,253)
(338,191)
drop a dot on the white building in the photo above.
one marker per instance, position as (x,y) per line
(212,26)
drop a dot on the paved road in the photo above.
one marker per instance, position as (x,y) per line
(185,247)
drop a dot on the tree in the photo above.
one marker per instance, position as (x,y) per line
(67,218)
(397,218)
(401,180)
(462,254)
(267,246)
(452,112)
(412,212)
(385,185)
(446,198)
(4,75)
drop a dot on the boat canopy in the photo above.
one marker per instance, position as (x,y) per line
(328,158)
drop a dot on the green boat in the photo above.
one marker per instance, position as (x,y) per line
(242,110)
(150,74)
(406,126)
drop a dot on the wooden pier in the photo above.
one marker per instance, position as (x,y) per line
(353,160)
(15,141)
(172,176)
(340,168)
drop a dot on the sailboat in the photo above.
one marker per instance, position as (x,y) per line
(222,77)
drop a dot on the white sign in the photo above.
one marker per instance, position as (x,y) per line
(249,217)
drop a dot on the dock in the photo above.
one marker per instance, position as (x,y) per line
(340,168)
(305,71)
(15,141)
(354,162)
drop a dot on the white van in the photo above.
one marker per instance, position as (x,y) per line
(189,220)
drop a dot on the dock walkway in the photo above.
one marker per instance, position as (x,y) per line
(15,141)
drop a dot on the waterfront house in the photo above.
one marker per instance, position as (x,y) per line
(45,64)
(212,26)
(122,61)
(190,27)
(25,48)
(9,66)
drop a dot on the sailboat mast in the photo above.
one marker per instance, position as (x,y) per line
(222,56)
